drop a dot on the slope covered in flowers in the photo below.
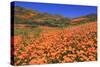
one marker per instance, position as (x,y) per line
(53,45)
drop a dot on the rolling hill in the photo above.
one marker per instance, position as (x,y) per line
(33,17)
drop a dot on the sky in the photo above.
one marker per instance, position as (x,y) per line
(66,10)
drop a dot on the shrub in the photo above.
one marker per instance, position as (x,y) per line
(18,20)
(23,21)
(92,19)
(55,23)
(30,22)
(49,22)
(18,31)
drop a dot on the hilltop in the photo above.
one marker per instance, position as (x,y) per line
(33,17)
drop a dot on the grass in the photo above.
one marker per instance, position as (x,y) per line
(82,22)
(18,31)
(36,31)
(53,23)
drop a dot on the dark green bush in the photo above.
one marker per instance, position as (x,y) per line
(23,21)
(92,19)
(18,20)
(49,23)
(30,22)
(55,23)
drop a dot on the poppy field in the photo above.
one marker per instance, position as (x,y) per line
(73,44)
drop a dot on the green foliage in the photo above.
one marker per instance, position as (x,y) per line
(23,21)
(62,25)
(18,31)
(81,22)
(37,32)
(55,23)
(65,20)
(92,19)
(18,20)
(49,22)
(78,59)
(16,58)
(30,22)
